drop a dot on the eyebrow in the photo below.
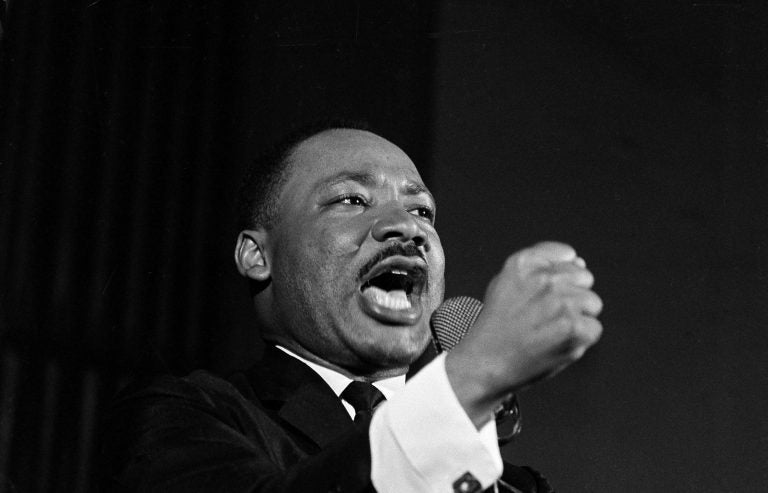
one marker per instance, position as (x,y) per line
(369,180)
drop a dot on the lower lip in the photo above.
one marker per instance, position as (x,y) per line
(389,316)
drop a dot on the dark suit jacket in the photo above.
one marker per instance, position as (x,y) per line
(276,427)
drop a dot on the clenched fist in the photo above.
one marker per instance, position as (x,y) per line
(539,316)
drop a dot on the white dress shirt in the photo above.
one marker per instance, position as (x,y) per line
(421,439)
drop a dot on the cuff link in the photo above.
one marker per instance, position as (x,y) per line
(467,483)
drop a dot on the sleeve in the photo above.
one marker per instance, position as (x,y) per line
(423,441)
(180,436)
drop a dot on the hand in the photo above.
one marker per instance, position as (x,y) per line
(538,318)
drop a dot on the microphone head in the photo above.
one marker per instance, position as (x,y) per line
(451,321)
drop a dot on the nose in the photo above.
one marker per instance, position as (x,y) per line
(394,223)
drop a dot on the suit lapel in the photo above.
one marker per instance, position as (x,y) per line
(298,396)
(295,394)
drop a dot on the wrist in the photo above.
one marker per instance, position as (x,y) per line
(471,385)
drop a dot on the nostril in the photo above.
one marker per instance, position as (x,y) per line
(418,240)
(399,224)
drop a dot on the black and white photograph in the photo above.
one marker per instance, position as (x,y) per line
(409,246)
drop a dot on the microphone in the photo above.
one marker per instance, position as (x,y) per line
(449,324)
(452,320)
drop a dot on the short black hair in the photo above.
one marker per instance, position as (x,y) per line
(263,180)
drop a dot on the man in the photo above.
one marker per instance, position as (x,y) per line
(345,268)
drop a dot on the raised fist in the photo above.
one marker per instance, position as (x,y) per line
(539,316)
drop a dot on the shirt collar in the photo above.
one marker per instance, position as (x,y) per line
(338,382)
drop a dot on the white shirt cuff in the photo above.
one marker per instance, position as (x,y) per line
(423,441)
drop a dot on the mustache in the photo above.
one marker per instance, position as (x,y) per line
(392,250)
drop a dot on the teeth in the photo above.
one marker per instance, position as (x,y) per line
(394,300)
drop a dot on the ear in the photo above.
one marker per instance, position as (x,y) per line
(250,255)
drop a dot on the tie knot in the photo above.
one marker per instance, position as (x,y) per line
(364,397)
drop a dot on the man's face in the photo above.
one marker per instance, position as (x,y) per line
(356,263)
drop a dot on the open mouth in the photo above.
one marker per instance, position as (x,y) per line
(390,291)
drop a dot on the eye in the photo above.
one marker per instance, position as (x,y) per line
(352,199)
(423,211)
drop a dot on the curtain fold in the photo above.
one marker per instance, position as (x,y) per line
(125,129)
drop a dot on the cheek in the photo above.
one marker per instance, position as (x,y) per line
(327,254)
(437,263)
(319,243)
(349,234)
(334,248)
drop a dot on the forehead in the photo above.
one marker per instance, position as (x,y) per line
(337,153)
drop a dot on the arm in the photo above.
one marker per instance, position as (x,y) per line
(539,317)
(200,434)
(178,435)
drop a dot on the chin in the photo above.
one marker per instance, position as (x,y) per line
(398,352)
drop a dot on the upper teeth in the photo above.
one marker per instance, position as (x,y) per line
(398,271)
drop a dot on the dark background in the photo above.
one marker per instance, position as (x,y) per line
(636,131)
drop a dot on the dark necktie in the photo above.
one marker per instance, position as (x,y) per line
(364,397)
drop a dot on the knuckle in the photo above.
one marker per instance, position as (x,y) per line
(526,257)
(570,305)
(523,260)
(595,303)
(597,330)
(577,352)
(585,332)
(556,249)
(589,331)
(585,302)
(565,328)
(572,274)
(513,261)
(541,281)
